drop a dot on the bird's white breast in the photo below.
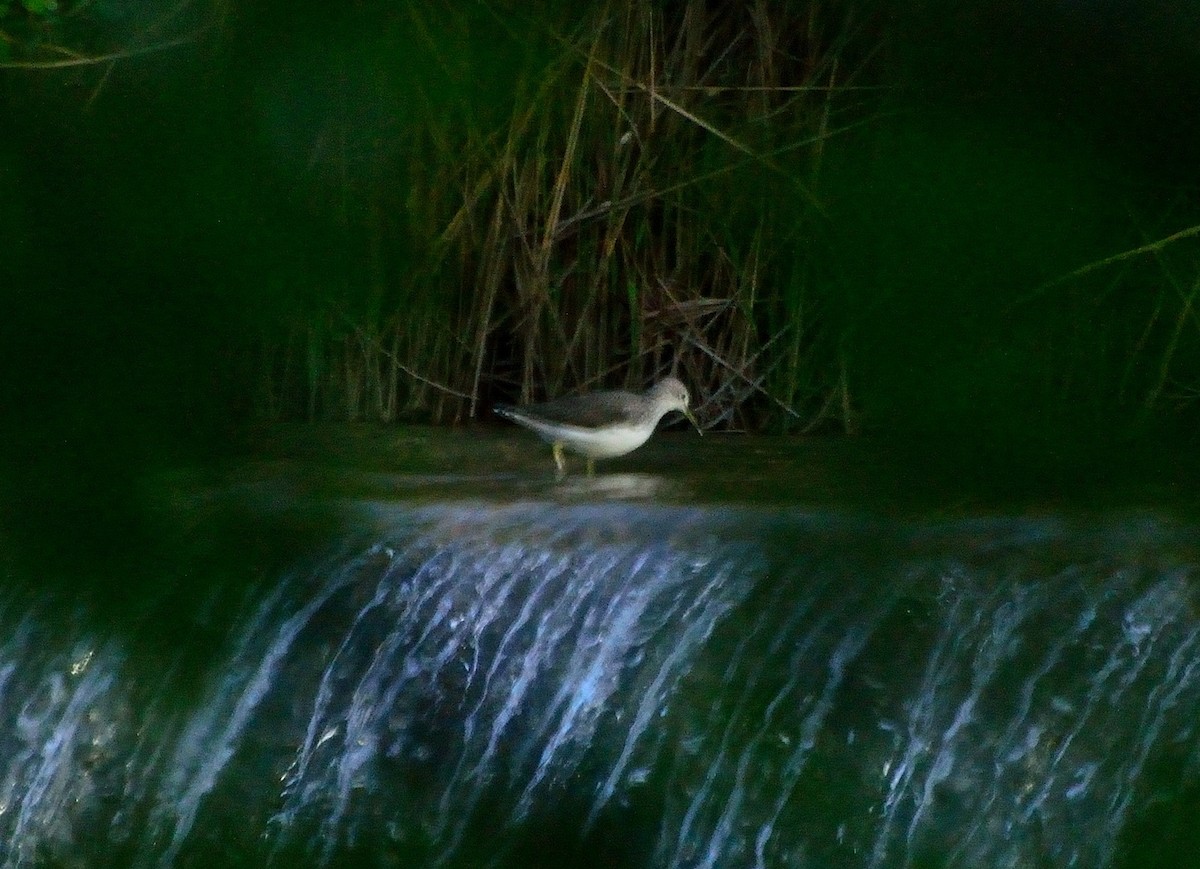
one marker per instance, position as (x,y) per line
(602,443)
(611,441)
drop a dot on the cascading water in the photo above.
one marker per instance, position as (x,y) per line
(631,685)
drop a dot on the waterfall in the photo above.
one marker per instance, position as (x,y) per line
(470,683)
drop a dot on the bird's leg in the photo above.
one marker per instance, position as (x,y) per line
(591,467)
(559,461)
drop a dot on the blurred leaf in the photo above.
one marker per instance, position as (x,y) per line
(40,7)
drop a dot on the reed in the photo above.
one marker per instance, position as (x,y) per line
(606,226)
(631,188)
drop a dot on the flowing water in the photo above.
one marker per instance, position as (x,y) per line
(614,673)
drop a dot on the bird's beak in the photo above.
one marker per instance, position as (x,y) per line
(692,420)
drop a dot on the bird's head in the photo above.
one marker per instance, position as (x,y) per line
(671,394)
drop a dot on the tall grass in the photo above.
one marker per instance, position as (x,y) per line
(643,203)
(596,195)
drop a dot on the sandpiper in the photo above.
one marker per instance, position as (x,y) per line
(601,425)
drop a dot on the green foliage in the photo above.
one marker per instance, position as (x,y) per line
(40,7)
(41,10)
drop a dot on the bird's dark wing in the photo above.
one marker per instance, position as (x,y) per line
(585,411)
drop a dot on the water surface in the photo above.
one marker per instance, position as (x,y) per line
(724,652)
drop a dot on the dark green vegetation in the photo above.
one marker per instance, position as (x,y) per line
(972,227)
